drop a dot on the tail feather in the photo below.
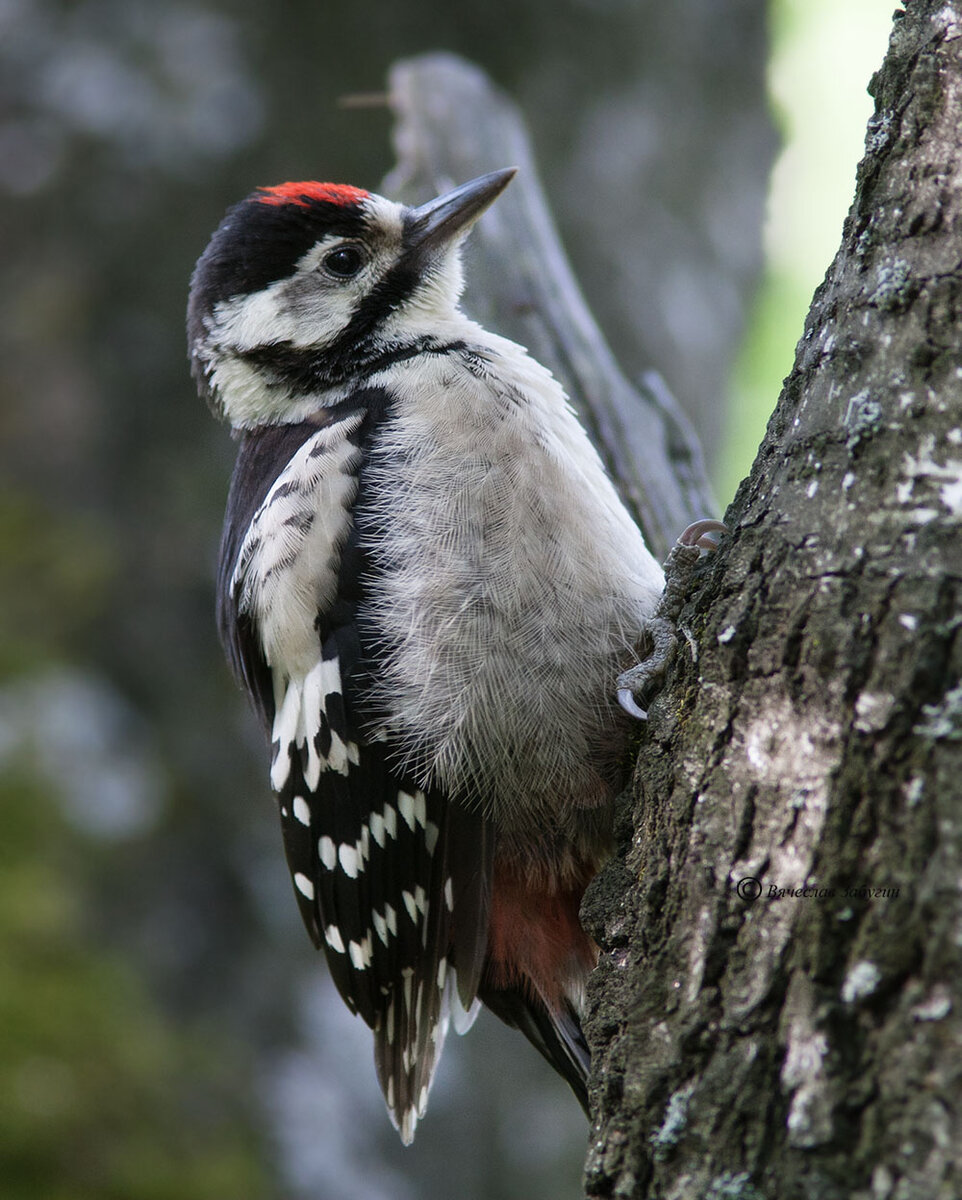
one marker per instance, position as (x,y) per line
(539,958)
(440,985)
(557,1036)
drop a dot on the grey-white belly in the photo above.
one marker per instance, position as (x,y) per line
(509,588)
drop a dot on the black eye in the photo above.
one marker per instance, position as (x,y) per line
(344,262)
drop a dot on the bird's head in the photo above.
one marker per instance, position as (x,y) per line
(305,286)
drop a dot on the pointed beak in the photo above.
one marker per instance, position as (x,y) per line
(440,221)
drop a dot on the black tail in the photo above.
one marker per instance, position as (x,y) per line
(558,1037)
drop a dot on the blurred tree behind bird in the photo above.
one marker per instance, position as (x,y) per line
(166,1029)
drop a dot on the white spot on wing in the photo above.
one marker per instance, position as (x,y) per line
(405,805)
(304,885)
(284,734)
(348,858)
(328,852)
(332,935)
(337,757)
(312,704)
(361,953)
(302,810)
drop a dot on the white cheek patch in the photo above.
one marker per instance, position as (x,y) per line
(303,311)
(316,312)
(246,322)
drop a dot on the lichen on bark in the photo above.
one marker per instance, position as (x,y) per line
(800,1035)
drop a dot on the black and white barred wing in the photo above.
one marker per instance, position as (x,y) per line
(392,881)
(378,867)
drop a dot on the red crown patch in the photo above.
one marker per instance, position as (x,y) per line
(304,193)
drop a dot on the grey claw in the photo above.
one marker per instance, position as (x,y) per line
(626,699)
(699,534)
(661,628)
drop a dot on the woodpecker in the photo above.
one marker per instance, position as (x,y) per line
(428,586)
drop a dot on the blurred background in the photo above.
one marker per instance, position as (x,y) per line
(165,1027)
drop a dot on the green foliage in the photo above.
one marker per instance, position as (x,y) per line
(54,567)
(763,361)
(100,1096)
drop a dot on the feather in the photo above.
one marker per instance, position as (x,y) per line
(392,880)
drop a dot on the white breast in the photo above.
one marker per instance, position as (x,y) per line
(513,583)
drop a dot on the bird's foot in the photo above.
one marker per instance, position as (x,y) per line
(701,536)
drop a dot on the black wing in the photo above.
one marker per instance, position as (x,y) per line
(392,881)
(263,454)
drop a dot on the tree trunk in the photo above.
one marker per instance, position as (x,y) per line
(778,1009)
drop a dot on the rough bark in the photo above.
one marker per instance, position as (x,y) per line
(750,1041)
